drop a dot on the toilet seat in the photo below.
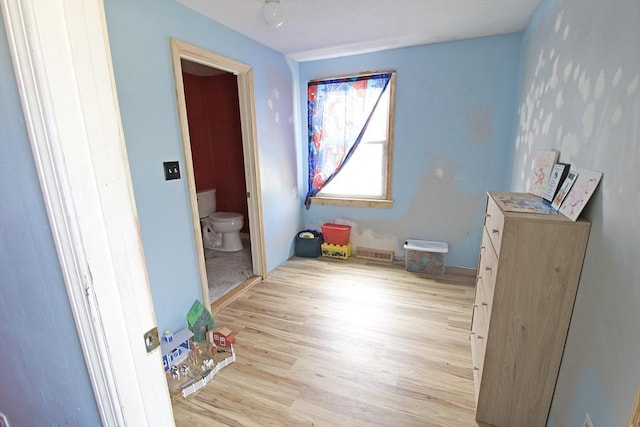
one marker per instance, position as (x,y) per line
(224,216)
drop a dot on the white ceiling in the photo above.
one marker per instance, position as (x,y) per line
(318,29)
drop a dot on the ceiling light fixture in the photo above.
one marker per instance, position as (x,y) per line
(273,13)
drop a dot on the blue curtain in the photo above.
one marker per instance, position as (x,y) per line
(339,111)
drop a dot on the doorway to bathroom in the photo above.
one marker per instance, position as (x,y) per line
(216,107)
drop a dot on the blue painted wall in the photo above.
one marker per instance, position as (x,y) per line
(455,109)
(455,116)
(580,95)
(139,34)
(43,378)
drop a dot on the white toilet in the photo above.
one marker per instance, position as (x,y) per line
(218,224)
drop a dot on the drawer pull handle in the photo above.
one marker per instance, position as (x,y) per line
(480,337)
(495,231)
(475,368)
(475,305)
(487,216)
(484,304)
(488,268)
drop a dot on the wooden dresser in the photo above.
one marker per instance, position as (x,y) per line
(528,275)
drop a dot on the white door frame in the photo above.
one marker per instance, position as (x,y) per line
(181,50)
(62,61)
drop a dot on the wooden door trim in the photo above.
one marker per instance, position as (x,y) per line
(182,50)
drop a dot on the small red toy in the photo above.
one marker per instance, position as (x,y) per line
(221,337)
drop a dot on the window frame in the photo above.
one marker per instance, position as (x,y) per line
(386,200)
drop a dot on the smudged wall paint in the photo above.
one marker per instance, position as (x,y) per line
(595,124)
(455,109)
(146,93)
(436,183)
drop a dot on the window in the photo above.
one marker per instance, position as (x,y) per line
(350,140)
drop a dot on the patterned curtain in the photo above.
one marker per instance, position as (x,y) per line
(339,111)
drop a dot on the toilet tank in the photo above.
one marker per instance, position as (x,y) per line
(206,202)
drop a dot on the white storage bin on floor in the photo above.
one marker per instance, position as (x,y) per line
(425,256)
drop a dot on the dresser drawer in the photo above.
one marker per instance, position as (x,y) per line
(477,351)
(494,223)
(482,311)
(477,358)
(480,325)
(487,269)
(487,281)
(481,314)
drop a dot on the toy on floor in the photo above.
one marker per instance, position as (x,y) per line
(200,321)
(207,374)
(202,360)
(175,373)
(196,351)
(175,347)
(221,337)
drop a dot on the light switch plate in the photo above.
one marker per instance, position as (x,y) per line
(171,170)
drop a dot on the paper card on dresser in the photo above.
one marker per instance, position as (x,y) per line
(580,193)
(558,175)
(564,190)
(541,170)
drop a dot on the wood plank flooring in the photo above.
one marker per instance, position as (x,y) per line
(326,342)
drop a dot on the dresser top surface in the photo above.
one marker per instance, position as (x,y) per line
(530,207)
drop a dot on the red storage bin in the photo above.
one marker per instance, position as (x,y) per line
(336,234)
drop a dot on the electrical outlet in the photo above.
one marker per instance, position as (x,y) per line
(171,170)
(587,421)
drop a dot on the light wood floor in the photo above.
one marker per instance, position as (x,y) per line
(326,342)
